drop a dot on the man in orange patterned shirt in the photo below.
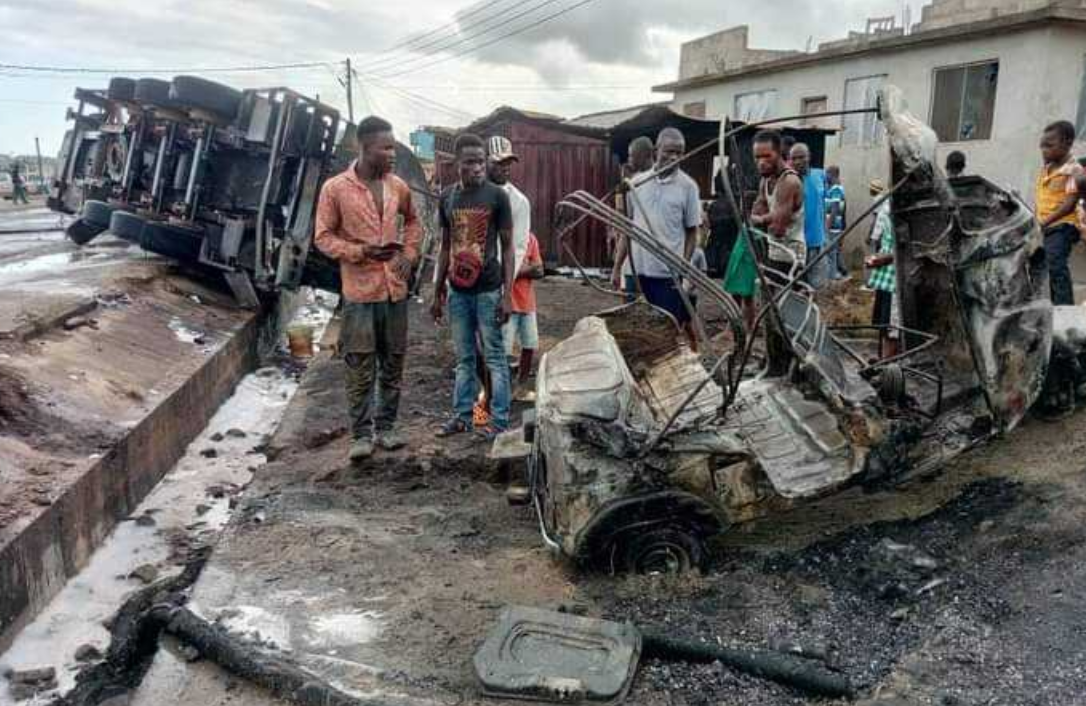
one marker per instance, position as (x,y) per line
(359,224)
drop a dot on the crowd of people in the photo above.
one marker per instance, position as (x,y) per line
(489,259)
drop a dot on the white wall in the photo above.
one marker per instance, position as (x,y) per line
(1040,79)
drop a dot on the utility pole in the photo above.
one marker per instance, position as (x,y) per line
(41,170)
(350,94)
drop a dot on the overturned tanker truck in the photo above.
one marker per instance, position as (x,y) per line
(217,179)
(640,452)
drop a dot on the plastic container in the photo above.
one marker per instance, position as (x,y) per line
(300,341)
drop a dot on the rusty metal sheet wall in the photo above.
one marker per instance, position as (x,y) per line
(553,164)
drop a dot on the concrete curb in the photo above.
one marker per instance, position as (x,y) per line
(36,563)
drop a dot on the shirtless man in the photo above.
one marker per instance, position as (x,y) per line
(779,207)
(779,212)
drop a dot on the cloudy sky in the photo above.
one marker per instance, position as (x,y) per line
(419,61)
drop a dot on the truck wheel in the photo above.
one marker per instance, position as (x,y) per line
(663,550)
(181,244)
(121,89)
(126,225)
(201,94)
(152,91)
(80,232)
(97,213)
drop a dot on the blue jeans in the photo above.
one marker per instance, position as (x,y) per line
(837,259)
(469,313)
(1059,240)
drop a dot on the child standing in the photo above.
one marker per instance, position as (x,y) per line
(523,328)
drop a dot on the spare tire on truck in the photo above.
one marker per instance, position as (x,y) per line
(152,91)
(80,232)
(174,242)
(126,225)
(121,89)
(200,94)
(97,213)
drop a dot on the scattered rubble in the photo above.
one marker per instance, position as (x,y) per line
(28,683)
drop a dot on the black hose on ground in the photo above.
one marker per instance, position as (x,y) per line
(799,674)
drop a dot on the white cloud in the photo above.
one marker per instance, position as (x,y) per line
(606,54)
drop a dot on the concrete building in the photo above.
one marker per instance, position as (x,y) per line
(987,75)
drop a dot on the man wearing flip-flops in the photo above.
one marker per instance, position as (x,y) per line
(475,273)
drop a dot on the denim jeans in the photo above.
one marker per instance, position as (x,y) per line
(836,261)
(1059,240)
(468,314)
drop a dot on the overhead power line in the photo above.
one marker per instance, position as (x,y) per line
(460,37)
(189,70)
(491,42)
(455,24)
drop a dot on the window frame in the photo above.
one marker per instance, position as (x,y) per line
(1080,114)
(804,101)
(878,131)
(964,68)
(737,96)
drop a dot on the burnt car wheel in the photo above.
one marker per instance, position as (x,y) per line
(152,91)
(201,94)
(97,213)
(80,232)
(665,550)
(126,225)
(181,244)
(121,89)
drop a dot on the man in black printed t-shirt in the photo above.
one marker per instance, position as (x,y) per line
(475,275)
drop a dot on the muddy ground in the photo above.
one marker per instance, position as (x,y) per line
(965,588)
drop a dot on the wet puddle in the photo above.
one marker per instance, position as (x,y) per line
(191,502)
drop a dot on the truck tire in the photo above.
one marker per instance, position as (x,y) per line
(660,550)
(181,244)
(152,91)
(127,226)
(97,213)
(80,232)
(208,96)
(121,89)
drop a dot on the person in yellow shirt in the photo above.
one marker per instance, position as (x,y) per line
(1057,197)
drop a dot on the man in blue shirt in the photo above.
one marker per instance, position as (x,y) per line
(814,209)
(836,209)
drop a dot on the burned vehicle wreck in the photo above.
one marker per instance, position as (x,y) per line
(221,180)
(641,452)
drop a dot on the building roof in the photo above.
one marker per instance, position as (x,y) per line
(954,33)
(608,119)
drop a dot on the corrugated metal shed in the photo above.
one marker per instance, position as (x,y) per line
(555,159)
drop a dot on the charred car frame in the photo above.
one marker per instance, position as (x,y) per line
(641,451)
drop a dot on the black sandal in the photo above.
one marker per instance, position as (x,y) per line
(454,426)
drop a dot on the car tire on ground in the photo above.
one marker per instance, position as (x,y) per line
(152,91)
(126,225)
(208,96)
(80,232)
(121,89)
(659,550)
(174,242)
(97,213)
